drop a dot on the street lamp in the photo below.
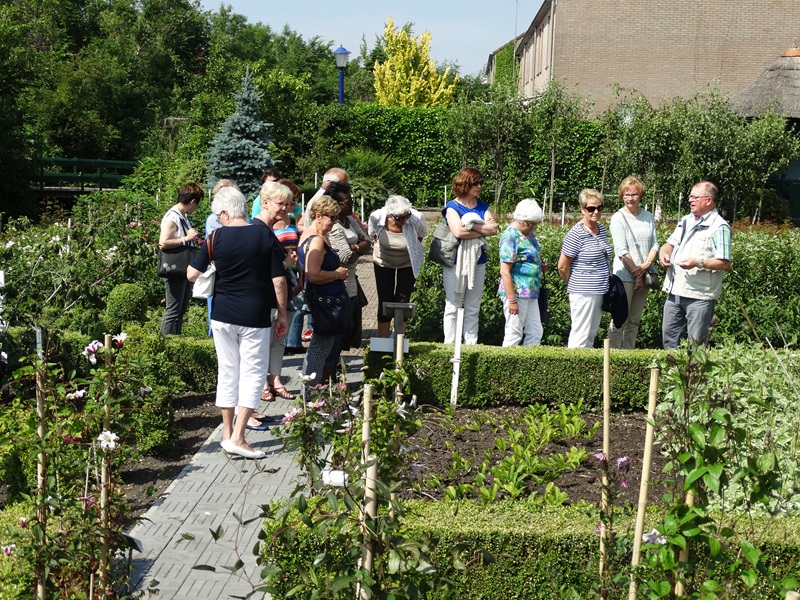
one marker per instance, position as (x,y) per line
(342,55)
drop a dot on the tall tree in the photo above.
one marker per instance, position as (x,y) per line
(240,151)
(408,76)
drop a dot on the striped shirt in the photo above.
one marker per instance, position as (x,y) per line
(590,255)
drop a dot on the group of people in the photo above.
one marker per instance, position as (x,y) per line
(695,258)
(269,268)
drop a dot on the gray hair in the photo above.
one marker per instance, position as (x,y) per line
(230,200)
(277,192)
(398,205)
(528,210)
(224,183)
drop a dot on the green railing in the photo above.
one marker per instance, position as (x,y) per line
(82,173)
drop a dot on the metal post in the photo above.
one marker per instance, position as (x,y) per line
(341,85)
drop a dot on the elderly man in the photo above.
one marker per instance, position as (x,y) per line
(331,175)
(696,256)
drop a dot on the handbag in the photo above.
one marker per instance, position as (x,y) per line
(544,304)
(652,280)
(444,246)
(615,301)
(204,285)
(331,314)
(173,262)
(362,296)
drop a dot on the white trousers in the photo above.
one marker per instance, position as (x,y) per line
(527,322)
(471,299)
(585,311)
(242,358)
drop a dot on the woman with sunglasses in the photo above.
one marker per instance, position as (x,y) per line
(583,266)
(397,231)
(470,221)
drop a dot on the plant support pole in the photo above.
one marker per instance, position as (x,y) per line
(604,533)
(41,464)
(370,511)
(104,480)
(457,358)
(365,426)
(648,453)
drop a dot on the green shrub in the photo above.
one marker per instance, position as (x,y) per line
(126,303)
(494,376)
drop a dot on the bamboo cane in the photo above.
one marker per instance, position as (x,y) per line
(366,425)
(604,533)
(680,587)
(648,453)
(104,483)
(370,510)
(41,462)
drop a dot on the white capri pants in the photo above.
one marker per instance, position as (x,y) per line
(472,305)
(527,322)
(242,358)
(585,310)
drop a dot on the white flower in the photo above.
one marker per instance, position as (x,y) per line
(108,440)
(9,244)
(119,339)
(55,239)
(308,377)
(654,538)
(401,410)
(91,351)
(77,394)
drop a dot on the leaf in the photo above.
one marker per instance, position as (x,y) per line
(715,546)
(717,436)
(678,540)
(660,588)
(694,476)
(750,552)
(698,433)
(394,562)
(341,583)
(750,577)
(205,568)
(320,559)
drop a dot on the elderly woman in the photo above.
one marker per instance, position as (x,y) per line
(633,231)
(324,273)
(351,243)
(470,221)
(583,266)
(276,202)
(244,297)
(397,231)
(521,269)
(176,231)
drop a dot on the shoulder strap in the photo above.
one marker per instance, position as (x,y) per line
(210,245)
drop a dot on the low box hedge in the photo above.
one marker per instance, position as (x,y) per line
(536,552)
(494,376)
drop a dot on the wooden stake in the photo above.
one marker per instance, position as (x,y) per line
(370,510)
(680,588)
(104,484)
(604,533)
(41,461)
(366,425)
(648,453)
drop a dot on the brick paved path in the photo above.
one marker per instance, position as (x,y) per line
(213,488)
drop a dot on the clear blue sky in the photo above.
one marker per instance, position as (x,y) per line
(463,32)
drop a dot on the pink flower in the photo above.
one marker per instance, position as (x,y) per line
(318,404)
(623,462)
(134,224)
(88,501)
(7,550)
(23,522)
(600,456)
(119,339)
(342,385)
(624,482)
(290,416)
(598,530)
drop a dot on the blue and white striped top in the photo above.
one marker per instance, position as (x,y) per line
(590,256)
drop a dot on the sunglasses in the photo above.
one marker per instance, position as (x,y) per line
(591,209)
(400,217)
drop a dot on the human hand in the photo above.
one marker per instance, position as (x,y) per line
(545,266)
(638,285)
(291,259)
(191,234)
(342,271)
(513,309)
(688,263)
(281,328)
(665,261)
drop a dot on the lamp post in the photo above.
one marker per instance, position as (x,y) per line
(342,55)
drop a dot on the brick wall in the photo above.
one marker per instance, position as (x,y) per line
(669,48)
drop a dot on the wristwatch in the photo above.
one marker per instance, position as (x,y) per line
(702,263)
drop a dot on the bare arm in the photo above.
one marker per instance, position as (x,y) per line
(508,287)
(564,264)
(712,264)
(461,232)
(192,274)
(168,229)
(279,283)
(314,272)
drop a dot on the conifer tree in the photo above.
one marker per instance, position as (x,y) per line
(408,76)
(240,151)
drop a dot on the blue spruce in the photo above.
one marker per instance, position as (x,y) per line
(240,151)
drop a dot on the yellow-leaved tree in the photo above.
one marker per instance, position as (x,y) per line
(408,76)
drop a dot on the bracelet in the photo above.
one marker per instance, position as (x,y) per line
(512,300)
(702,263)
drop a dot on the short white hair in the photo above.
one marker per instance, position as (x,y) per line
(528,210)
(398,205)
(230,200)
(330,177)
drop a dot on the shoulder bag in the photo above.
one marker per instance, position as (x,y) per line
(331,313)
(173,262)
(652,281)
(444,245)
(204,285)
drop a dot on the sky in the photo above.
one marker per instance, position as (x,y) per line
(462,31)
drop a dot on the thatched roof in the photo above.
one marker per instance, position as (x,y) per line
(777,88)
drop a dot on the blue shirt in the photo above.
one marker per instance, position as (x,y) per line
(480,208)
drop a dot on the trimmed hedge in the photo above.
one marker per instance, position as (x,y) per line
(495,376)
(537,552)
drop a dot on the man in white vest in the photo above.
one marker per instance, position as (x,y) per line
(696,256)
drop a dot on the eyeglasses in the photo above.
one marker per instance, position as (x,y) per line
(400,217)
(222,212)
(697,197)
(591,209)
(479,182)
(282,204)
(631,195)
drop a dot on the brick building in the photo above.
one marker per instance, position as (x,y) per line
(662,49)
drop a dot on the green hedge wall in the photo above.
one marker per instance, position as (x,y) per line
(495,376)
(537,552)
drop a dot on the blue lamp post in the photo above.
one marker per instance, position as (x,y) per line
(342,55)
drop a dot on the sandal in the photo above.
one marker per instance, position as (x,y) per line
(282,392)
(266,395)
